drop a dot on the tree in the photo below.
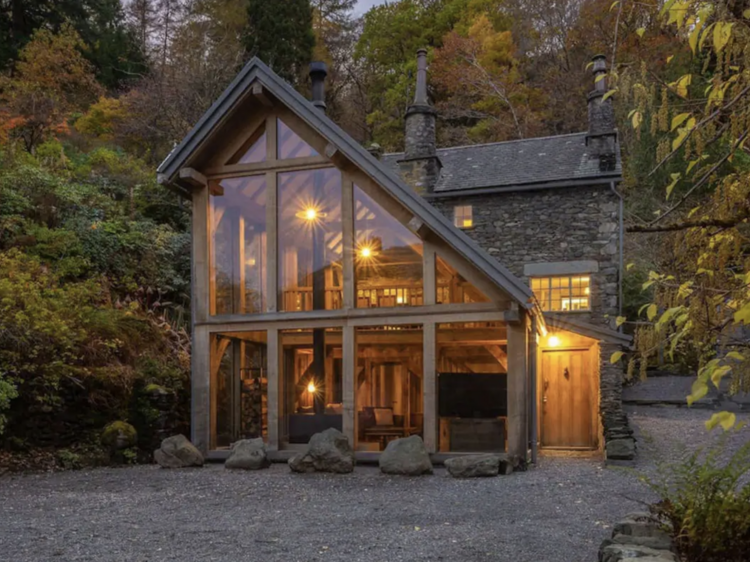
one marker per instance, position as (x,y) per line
(290,20)
(52,79)
(701,304)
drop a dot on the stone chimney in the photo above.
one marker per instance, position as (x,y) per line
(420,166)
(318,73)
(602,137)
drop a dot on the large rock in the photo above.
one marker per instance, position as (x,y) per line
(328,451)
(248,454)
(119,435)
(623,552)
(407,456)
(639,524)
(178,452)
(472,466)
(620,449)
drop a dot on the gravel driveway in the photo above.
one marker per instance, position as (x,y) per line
(557,512)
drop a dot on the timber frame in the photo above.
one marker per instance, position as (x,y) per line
(195,169)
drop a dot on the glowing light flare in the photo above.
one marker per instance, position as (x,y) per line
(365,252)
(310,213)
(311,388)
(553,341)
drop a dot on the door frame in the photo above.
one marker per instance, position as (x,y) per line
(592,353)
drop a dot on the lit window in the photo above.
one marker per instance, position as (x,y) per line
(462,216)
(562,293)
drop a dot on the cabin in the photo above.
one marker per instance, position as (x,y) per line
(465,295)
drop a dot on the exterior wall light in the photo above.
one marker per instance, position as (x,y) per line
(553,341)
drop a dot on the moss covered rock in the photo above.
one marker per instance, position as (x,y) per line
(119,435)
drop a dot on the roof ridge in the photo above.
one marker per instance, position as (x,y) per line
(463,146)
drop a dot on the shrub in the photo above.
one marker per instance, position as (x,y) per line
(8,392)
(705,503)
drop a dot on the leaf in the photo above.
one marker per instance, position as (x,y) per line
(675,178)
(736,355)
(609,94)
(719,373)
(629,266)
(678,120)
(725,419)
(651,311)
(681,85)
(640,31)
(637,119)
(722,34)
(742,316)
(589,65)
(746,14)
(600,78)
(620,320)
(614,5)
(698,391)
(616,356)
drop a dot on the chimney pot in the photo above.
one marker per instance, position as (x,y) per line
(318,73)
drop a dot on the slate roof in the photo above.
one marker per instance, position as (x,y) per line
(515,164)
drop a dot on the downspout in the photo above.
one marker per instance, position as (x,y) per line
(622,249)
(532,390)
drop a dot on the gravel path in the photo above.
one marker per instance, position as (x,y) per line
(559,511)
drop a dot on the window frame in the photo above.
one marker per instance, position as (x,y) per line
(460,216)
(569,295)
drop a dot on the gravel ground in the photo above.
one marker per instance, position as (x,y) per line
(557,512)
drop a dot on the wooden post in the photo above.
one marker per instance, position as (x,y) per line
(347,224)
(238,262)
(349,368)
(430,283)
(517,391)
(200,265)
(272,244)
(273,373)
(429,387)
(201,389)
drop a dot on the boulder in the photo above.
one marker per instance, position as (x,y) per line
(658,543)
(620,449)
(248,454)
(328,451)
(178,452)
(407,456)
(623,552)
(640,524)
(119,435)
(472,466)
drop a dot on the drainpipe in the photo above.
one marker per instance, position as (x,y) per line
(532,390)
(622,249)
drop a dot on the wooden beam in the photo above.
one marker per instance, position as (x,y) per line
(349,364)
(272,244)
(273,369)
(200,258)
(517,390)
(200,382)
(429,388)
(232,170)
(347,224)
(259,93)
(193,178)
(430,272)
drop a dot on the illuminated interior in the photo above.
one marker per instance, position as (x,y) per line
(239,387)
(453,288)
(237,218)
(463,216)
(565,294)
(310,240)
(388,257)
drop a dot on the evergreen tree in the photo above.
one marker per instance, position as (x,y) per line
(281,34)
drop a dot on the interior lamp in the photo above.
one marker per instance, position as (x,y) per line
(553,341)
(311,388)
(310,214)
(365,252)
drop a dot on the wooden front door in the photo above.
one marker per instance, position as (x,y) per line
(567,400)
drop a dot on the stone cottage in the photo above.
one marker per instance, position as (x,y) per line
(465,294)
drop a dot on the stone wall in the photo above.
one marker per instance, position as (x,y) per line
(555,225)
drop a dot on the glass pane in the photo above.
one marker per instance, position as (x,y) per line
(452,288)
(239,387)
(472,365)
(238,245)
(256,152)
(290,145)
(388,257)
(388,385)
(312,388)
(310,240)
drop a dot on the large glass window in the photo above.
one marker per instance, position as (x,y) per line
(311,367)
(388,257)
(239,400)
(254,150)
(290,145)
(453,288)
(388,385)
(563,293)
(472,365)
(310,240)
(237,220)
(463,216)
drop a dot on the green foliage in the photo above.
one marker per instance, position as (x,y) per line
(290,20)
(8,392)
(705,503)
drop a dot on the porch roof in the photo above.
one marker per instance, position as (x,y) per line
(594,331)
